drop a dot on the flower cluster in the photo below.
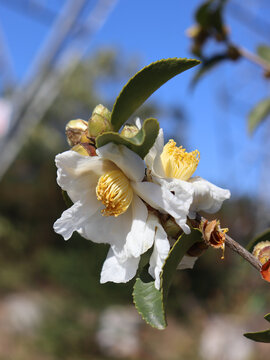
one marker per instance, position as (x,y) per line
(120,199)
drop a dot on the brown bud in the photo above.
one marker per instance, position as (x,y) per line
(262,251)
(99,122)
(76,131)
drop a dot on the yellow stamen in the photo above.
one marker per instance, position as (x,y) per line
(115,192)
(178,163)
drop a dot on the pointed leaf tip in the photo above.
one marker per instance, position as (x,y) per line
(143,84)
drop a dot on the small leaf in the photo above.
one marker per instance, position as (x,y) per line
(264,236)
(141,143)
(264,52)
(260,336)
(144,84)
(267,317)
(258,114)
(151,302)
(209,14)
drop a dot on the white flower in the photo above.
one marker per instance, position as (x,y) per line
(171,167)
(107,191)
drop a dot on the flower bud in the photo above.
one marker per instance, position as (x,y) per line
(85,149)
(262,251)
(129,131)
(76,131)
(99,121)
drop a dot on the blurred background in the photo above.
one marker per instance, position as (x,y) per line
(60,58)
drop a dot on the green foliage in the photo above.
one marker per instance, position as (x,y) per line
(144,84)
(209,14)
(260,336)
(264,236)
(264,52)
(141,143)
(258,114)
(149,301)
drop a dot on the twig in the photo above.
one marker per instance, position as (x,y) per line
(253,58)
(236,247)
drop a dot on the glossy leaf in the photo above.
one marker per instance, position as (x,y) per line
(264,52)
(141,86)
(258,114)
(141,143)
(260,336)
(264,236)
(149,301)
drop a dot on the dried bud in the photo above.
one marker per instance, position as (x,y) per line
(213,235)
(99,121)
(262,251)
(76,131)
(129,131)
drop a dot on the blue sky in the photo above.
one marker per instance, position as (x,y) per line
(216,110)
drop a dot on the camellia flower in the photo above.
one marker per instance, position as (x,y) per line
(107,191)
(172,168)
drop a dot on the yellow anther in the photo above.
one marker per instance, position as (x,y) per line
(177,163)
(115,192)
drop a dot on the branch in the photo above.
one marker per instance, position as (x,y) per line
(235,246)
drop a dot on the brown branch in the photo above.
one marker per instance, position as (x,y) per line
(235,246)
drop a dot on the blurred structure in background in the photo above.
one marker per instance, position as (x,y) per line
(52,305)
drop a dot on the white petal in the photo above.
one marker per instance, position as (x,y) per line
(77,174)
(152,159)
(109,230)
(207,196)
(160,252)
(73,219)
(118,272)
(141,236)
(161,198)
(128,161)
(138,123)
(187,262)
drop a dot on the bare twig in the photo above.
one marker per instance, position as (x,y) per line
(253,58)
(236,247)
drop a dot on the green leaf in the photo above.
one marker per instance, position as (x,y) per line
(209,14)
(267,317)
(258,114)
(264,52)
(144,84)
(141,143)
(264,236)
(151,302)
(260,336)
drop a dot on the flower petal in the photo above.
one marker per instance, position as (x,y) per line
(77,174)
(160,251)
(152,159)
(187,262)
(118,271)
(128,161)
(162,199)
(73,219)
(109,230)
(207,196)
(141,236)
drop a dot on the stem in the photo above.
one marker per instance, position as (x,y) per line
(236,247)
(254,58)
